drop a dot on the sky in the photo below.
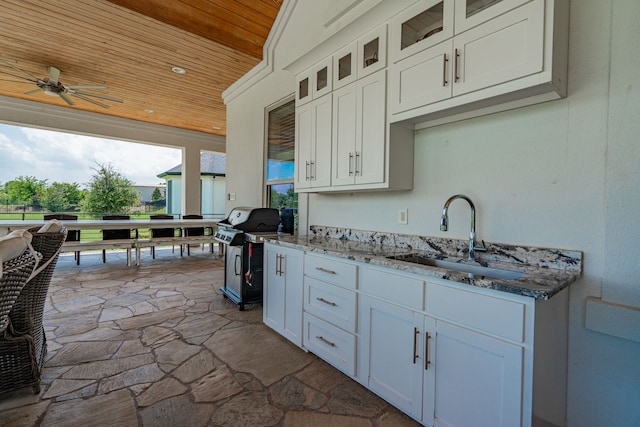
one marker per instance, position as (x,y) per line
(70,158)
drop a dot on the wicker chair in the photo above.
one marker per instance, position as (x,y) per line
(28,311)
(17,358)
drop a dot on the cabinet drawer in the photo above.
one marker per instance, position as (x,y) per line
(392,287)
(486,313)
(330,271)
(333,304)
(331,344)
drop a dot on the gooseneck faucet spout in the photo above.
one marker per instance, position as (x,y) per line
(444,224)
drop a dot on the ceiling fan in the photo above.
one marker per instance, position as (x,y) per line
(52,86)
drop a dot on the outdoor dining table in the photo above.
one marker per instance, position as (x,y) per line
(7,226)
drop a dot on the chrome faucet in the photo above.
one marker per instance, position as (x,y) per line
(444,224)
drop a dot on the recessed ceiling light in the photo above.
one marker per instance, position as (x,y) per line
(178,70)
(149,111)
(217,127)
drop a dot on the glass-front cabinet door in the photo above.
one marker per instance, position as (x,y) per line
(470,13)
(372,52)
(322,75)
(344,65)
(423,25)
(303,88)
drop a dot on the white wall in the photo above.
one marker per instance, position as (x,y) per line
(562,174)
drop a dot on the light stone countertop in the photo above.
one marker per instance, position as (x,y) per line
(546,271)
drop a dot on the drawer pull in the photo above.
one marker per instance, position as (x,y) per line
(333,304)
(324,340)
(324,270)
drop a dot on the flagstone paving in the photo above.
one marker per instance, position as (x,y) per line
(158,345)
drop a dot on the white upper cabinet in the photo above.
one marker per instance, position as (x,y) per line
(372,51)
(508,57)
(303,88)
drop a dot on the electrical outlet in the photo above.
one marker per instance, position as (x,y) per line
(232,196)
(403,216)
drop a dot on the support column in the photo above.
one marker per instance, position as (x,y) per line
(191,181)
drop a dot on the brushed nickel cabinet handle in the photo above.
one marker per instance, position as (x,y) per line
(350,164)
(324,270)
(457,64)
(326,341)
(416,332)
(333,304)
(306,171)
(444,70)
(427,361)
(358,164)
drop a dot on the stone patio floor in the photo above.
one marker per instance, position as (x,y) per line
(158,345)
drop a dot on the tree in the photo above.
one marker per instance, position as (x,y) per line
(61,197)
(25,190)
(109,192)
(156,196)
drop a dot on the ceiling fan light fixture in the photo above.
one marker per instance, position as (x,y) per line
(178,70)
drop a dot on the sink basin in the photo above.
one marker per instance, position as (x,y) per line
(475,270)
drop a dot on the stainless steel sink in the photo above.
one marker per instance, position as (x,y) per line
(476,270)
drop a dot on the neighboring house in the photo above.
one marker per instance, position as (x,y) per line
(212,185)
(146,191)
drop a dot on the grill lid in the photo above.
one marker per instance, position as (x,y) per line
(252,219)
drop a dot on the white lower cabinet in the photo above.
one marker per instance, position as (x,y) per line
(282,293)
(447,354)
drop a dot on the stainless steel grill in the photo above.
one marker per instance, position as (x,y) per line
(241,232)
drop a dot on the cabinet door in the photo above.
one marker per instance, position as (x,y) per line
(476,378)
(303,88)
(322,78)
(506,48)
(470,13)
(283,290)
(344,135)
(425,24)
(320,165)
(344,66)
(371,130)
(423,79)
(304,141)
(372,52)
(273,291)
(391,361)
(291,270)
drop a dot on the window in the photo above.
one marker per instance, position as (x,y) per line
(280,163)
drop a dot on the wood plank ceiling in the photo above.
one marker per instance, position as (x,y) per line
(131,46)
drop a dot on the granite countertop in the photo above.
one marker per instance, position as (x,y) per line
(545,272)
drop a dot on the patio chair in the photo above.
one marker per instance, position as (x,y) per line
(28,311)
(17,358)
(193,232)
(118,234)
(72,235)
(159,233)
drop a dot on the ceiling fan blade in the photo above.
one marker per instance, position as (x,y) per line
(95,87)
(19,77)
(18,69)
(16,81)
(97,95)
(66,98)
(84,98)
(31,92)
(54,75)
